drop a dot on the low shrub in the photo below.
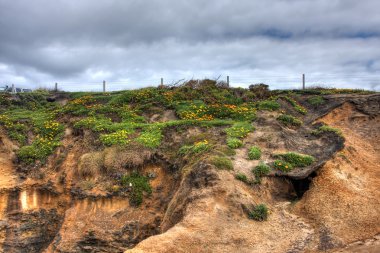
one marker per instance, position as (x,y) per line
(295,105)
(234,143)
(289,120)
(40,149)
(327,129)
(117,138)
(269,105)
(222,162)
(198,147)
(254,153)
(239,130)
(138,184)
(282,165)
(242,177)
(296,159)
(261,170)
(259,213)
(150,138)
(316,101)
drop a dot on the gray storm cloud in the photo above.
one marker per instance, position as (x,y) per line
(134,43)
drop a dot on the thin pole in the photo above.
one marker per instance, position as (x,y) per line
(303,81)
(228,80)
(13,88)
(162,81)
(56,87)
(104,86)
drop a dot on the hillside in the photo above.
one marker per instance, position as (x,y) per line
(199,167)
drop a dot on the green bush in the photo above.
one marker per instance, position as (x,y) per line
(295,105)
(198,147)
(261,170)
(222,162)
(254,153)
(259,213)
(282,165)
(239,130)
(327,129)
(289,120)
(269,105)
(117,138)
(139,185)
(296,160)
(234,143)
(151,138)
(316,101)
(242,177)
(40,149)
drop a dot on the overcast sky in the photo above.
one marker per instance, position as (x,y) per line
(133,43)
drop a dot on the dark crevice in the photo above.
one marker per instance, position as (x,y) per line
(302,185)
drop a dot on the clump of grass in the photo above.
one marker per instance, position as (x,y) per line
(198,147)
(117,138)
(261,170)
(222,162)
(316,101)
(282,166)
(259,213)
(269,105)
(242,177)
(327,129)
(151,138)
(296,159)
(289,120)
(40,149)
(254,153)
(239,130)
(295,105)
(234,143)
(139,184)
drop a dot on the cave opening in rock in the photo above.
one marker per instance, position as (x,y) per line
(302,185)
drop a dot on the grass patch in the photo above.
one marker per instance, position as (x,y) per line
(295,105)
(239,130)
(198,147)
(150,138)
(327,129)
(282,166)
(259,213)
(242,177)
(316,101)
(296,159)
(222,162)
(268,105)
(261,170)
(138,184)
(289,120)
(117,138)
(234,143)
(254,153)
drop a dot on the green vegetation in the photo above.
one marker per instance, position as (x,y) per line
(239,130)
(316,101)
(234,143)
(242,177)
(198,147)
(295,105)
(139,184)
(327,129)
(254,153)
(261,170)
(222,162)
(283,166)
(296,160)
(150,138)
(289,120)
(259,213)
(119,137)
(269,105)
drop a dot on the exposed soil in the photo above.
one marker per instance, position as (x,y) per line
(331,206)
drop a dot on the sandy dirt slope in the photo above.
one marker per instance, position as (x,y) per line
(344,199)
(8,178)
